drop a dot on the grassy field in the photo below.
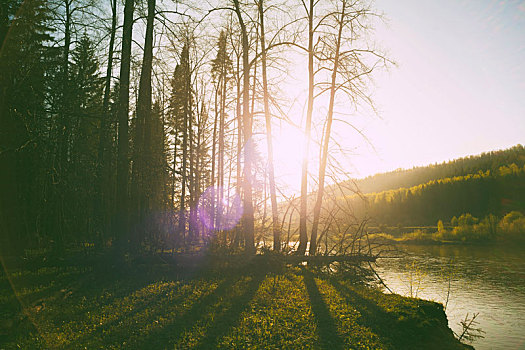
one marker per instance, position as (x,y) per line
(155,304)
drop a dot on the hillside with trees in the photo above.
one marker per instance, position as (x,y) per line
(458,167)
(480,194)
(492,183)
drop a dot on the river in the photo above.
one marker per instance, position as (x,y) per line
(489,280)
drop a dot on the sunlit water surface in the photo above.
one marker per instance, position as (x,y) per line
(488,280)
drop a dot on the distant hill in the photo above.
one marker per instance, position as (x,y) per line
(489,183)
(459,167)
(480,194)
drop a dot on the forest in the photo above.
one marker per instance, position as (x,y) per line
(154,132)
(149,125)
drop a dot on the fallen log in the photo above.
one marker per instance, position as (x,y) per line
(327,259)
(196,260)
(296,259)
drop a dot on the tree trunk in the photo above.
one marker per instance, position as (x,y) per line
(60,189)
(143,132)
(174,167)
(101,200)
(248,219)
(269,142)
(64,127)
(324,156)
(238,112)
(185,130)
(123,137)
(220,171)
(238,234)
(213,156)
(214,138)
(191,150)
(303,237)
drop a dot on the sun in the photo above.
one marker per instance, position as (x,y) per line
(288,145)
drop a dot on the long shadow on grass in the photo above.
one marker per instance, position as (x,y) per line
(375,318)
(167,336)
(90,287)
(327,329)
(112,329)
(26,290)
(230,317)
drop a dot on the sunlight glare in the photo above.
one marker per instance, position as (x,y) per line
(288,154)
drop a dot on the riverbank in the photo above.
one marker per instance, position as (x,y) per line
(155,304)
(422,238)
(470,279)
(425,239)
(509,229)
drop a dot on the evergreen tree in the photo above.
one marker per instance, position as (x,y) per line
(24,123)
(86,88)
(181,115)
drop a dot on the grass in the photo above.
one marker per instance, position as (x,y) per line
(157,305)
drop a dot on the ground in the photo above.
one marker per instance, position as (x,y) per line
(154,303)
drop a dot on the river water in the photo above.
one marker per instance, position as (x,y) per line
(489,280)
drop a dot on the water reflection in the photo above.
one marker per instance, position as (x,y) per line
(488,280)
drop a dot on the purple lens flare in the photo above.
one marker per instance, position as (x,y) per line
(219,209)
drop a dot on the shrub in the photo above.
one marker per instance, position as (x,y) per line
(512,226)
(467,220)
(417,234)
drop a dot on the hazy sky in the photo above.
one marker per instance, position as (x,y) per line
(459,87)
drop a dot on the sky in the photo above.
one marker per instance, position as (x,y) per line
(457,89)
(459,85)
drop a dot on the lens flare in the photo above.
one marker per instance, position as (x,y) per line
(219,209)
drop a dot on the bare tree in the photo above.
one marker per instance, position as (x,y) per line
(248,216)
(346,25)
(103,145)
(322,166)
(141,168)
(269,142)
(122,115)
(303,237)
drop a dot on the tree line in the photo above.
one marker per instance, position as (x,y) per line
(139,124)
(481,194)
(467,228)
(458,167)
(494,189)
